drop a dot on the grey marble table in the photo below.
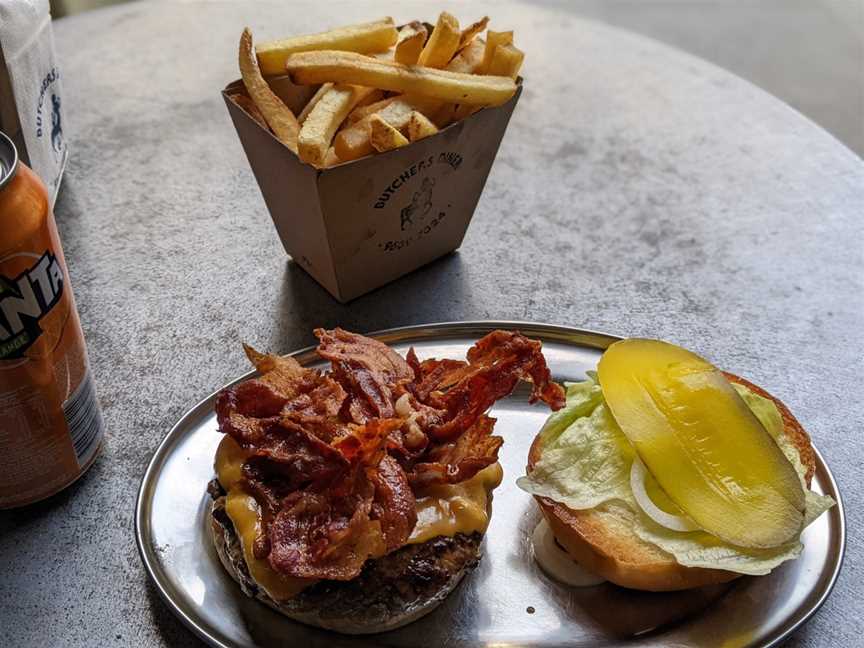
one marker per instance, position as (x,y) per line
(638,191)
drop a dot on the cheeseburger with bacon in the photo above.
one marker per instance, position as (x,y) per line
(356,499)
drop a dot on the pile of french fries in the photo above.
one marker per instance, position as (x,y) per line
(380,87)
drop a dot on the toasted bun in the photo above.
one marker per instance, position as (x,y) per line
(390,592)
(601,543)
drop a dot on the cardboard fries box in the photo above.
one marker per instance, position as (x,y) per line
(358,225)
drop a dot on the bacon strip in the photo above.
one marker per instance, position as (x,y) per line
(496,363)
(431,374)
(286,458)
(455,462)
(296,457)
(452,398)
(335,458)
(285,389)
(369,371)
(319,536)
(394,504)
(330,532)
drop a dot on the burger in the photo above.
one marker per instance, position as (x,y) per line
(356,499)
(662,472)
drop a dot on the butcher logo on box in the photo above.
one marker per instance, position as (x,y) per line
(49,100)
(56,126)
(421,203)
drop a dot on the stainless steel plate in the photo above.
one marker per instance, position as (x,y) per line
(507,600)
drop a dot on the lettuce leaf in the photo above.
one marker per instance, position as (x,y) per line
(701,549)
(586,462)
(585,465)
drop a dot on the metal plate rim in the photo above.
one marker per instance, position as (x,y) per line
(589,337)
(841,554)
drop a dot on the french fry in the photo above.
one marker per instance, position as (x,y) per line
(438,112)
(277,115)
(374,95)
(330,159)
(493,40)
(249,106)
(386,55)
(443,42)
(506,61)
(383,136)
(412,37)
(324,119)
(419,127)
(371,103)
(364,38)
(469,33)
(353,142)
(433,79)
(325,87)
(369,109)
(469,59)
(309,68)
(467,62)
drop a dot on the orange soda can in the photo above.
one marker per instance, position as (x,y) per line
(50,423)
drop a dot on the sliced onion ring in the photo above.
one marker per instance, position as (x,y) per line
(638,472)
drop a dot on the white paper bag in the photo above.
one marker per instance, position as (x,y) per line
(31,98)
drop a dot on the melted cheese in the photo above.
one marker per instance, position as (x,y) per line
(443,510)
(446,510)
(229,463)
(245,514)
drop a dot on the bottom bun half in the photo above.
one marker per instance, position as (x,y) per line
(601,541)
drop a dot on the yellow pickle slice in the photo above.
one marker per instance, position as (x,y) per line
(702,444)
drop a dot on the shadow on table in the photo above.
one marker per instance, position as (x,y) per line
(170,628)
(19,518)
(438,291)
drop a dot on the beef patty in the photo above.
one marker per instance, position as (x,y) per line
(390,591)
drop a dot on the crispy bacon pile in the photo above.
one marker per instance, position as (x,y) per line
(336,457)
